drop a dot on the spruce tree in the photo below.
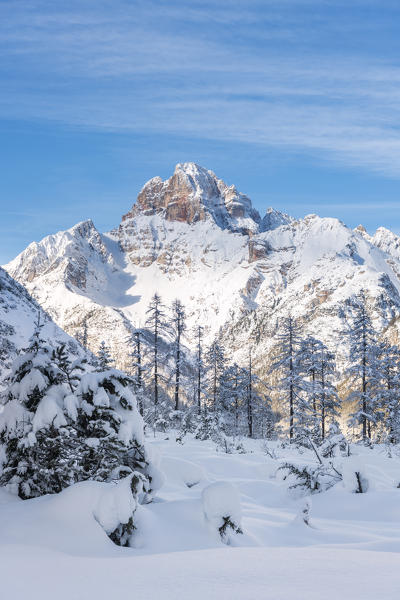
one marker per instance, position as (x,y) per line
(363,361)
(71,369)
(250,397)
(178,326)
(134,340)
(388,390)
(157,323)
(233,395)
(216,365)
(104,359)
(199,367)
(39,446)
(329,400)
(110,430)
(288,364)
(318,367)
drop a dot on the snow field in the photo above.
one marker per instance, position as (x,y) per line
(351,550)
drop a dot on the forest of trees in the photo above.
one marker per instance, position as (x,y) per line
(189,386)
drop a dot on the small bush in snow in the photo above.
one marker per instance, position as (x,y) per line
(335,444)
(311,479)
(305,513)
(221,505)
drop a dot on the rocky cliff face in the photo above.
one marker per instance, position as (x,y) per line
(195,238)
(194,194)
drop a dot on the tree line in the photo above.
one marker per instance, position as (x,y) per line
(221,395)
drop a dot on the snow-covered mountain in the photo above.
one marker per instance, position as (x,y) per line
(194,238)
(18,312)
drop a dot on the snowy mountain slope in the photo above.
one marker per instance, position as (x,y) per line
(18,312)
(195,238)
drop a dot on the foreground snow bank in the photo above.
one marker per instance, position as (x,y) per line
(227,573)
(78,520)
(351,550)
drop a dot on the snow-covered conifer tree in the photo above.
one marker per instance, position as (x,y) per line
(388,393)
(106,416)
(178,326)
(199,367)
(363,361)
(104,359)
(233,395)
(111,431)
(329,402)
(288,364)
(216,365)
(71,369)
(318,366)
(34,423)
(157,323)
(137,368)
(250,396)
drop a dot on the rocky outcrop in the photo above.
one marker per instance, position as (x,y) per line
(258,250)
(194,194)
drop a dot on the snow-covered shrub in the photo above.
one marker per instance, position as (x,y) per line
(310,478)
(221,506)
(335,444)
(116,507)
(304,513)
(230,445)
(355,478)
(269,450)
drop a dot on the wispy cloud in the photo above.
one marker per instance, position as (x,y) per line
(270,73)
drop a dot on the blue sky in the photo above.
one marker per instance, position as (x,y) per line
(297,102)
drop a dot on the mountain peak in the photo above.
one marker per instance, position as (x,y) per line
(194,194)
(275,218)
(360,228)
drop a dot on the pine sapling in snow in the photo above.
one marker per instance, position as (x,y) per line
(104,359)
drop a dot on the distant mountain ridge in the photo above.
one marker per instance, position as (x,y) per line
(198,239)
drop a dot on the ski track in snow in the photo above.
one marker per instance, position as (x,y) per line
(351,549)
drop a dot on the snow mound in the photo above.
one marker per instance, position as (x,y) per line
(115,505)
(221,506)
(183,471)
(369,474)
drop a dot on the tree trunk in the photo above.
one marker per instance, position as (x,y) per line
(250,401)
(178,369)
(139,371)
(156,363)
(364,387)
(323,403)
(291,390)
